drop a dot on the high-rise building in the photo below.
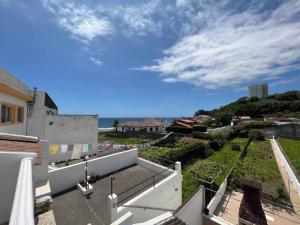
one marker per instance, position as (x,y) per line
(258,90)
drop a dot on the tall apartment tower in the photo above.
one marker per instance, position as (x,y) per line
(258,90)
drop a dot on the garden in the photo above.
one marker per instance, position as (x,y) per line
(260,165)
(291,149)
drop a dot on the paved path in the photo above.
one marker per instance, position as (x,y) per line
(287,180)
(228,210)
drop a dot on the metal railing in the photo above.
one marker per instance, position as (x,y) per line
(141,186)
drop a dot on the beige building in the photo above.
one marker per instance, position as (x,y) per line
(258,90)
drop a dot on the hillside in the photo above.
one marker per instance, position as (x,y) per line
(285,103)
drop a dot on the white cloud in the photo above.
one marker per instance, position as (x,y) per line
(96,61)
(234,47)
(81,21)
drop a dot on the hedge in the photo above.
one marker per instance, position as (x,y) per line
(179,129)
(201,128)
(201,135)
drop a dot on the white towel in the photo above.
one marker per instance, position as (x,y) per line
(63,149)
(85,148)
(76,151)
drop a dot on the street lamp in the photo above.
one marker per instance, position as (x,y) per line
(87,178)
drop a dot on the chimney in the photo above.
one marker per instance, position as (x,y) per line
(251,211)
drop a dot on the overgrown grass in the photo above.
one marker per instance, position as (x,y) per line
(260,165)
(292,150)
(208,168)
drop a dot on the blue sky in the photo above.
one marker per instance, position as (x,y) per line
(150,58)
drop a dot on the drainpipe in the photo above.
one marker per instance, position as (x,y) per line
(31,103)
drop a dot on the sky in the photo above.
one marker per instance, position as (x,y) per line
(155,58)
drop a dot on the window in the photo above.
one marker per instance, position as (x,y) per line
(151,128)
(156,128)
(20,114)
(6,113)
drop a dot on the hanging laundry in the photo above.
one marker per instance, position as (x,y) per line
(85,148)
(70,148)
(53,149)
(63,149)
(76,151)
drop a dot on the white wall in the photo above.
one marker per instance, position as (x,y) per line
(19,128)
(191,212)
(40,172)
(72,129)
(287,166)
(166,195)
(9,170)
(66,177)
(213,204)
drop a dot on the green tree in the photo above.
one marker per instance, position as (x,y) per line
(115,124)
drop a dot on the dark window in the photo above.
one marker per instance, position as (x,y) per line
(133,128)
(156,128)
(20,114)
(151,128)
(6,113)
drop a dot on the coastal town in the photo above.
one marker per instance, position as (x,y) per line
(150,112)
(208,169)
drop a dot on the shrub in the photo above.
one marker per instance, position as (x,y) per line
(235,147)
(179,129)
(201,128)
(258,125)
(201,135)
(216,144)
(256,134)
(243,134)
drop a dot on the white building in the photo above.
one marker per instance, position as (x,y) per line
(14,99)
(258,90)
(149,125)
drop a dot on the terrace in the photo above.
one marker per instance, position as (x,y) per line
(123,183)
(93,209)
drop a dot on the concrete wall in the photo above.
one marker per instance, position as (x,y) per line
(213,204)
(287,166)
(17,128)
(66,177)
(40,172)
(72,129)
(191,212)
(165,195)
(9,170)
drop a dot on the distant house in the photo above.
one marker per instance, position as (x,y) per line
(150,125)
(240,119)
(202,118)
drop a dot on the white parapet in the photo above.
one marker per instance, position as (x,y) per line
(22,210)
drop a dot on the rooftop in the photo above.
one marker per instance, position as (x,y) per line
(19,143)
(146,123)
(71,207)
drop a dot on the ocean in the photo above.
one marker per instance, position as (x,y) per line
(107,122)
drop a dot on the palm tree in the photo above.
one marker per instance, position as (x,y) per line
(115,124)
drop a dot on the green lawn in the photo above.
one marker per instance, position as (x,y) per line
(292,150)
(208,168)
(260,165)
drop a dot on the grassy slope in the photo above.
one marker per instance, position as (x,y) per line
(226,157)
(292,150)
(260,165)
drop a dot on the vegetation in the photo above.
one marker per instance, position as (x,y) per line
(286,103)
(235,147)
(292,149)
(182,151)
(179,129)
(260,165)
(200,128)
(129,137)
(208,168)
(256,134)
(115,124)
